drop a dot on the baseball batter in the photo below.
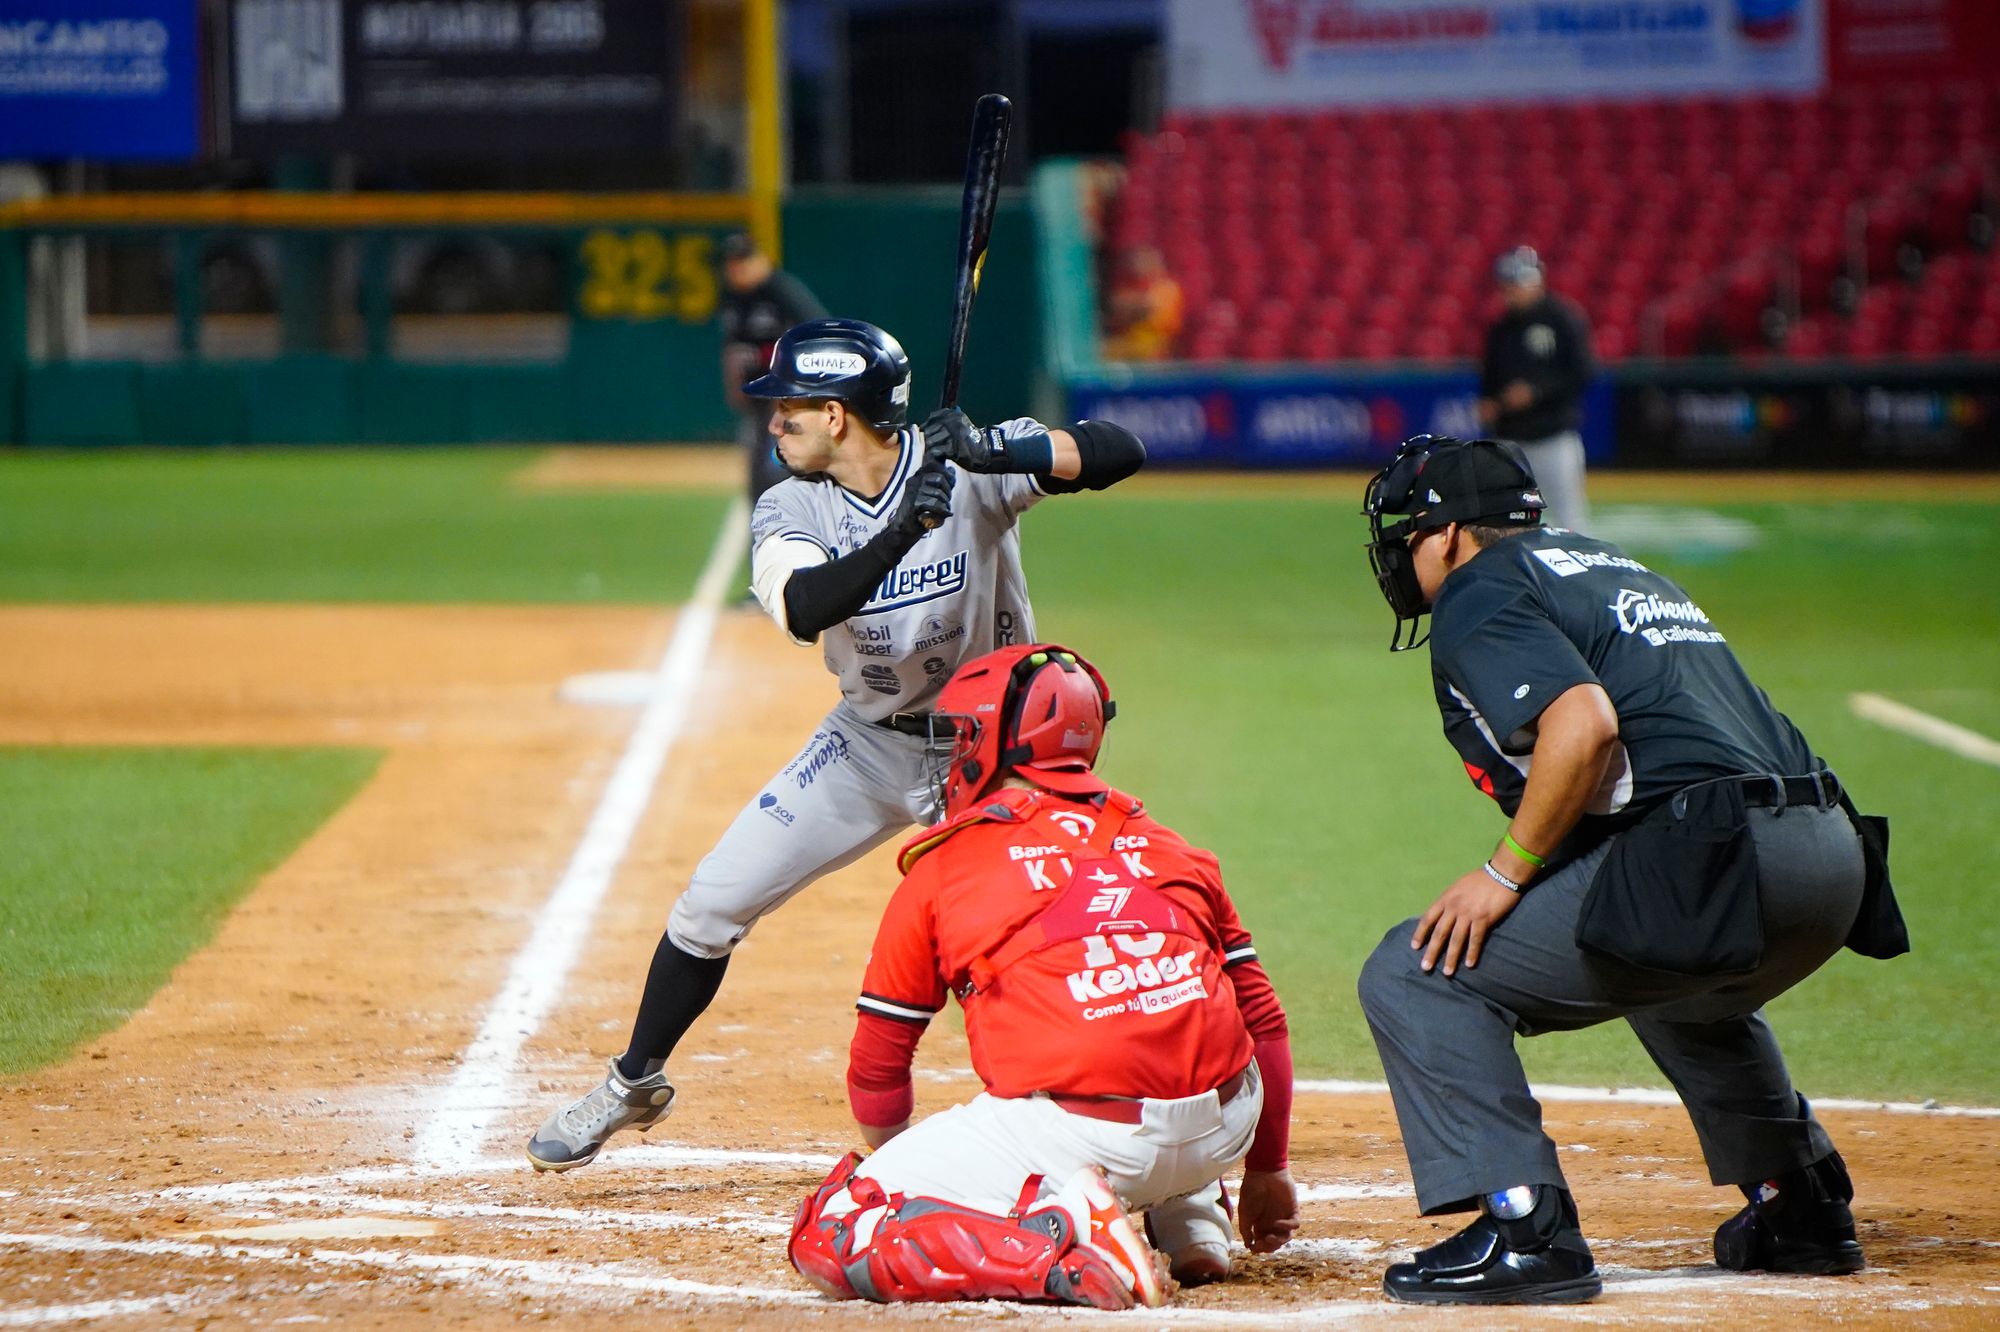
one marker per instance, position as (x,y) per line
(896,550)
(1130,1043)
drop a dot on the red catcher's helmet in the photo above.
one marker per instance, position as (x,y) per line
(1039,709)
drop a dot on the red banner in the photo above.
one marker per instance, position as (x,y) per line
(1877,41)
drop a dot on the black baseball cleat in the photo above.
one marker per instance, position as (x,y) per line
(1525,1248)
(1799,1222)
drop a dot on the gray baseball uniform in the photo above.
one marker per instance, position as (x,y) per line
(958,594)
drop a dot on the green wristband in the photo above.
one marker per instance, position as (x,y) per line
(1522,851)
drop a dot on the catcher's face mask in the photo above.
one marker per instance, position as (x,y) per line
(1437,480)
(1039,707)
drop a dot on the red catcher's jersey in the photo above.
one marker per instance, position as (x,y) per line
(1086,943)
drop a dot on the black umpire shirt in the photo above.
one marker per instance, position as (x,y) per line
(1538,613)
(1547,345)
(759,317)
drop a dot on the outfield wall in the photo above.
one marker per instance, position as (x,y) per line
(1687,415)
(636,354)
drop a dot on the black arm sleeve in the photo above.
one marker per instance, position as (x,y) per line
(1110,453)
(818,598)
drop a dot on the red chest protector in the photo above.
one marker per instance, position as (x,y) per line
(1113,988)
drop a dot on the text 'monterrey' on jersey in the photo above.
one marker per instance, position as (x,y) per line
(957,594)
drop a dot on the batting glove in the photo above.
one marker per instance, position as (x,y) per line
(927,498)
(950,435)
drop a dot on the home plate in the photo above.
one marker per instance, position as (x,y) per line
(332,1227)
(610,689)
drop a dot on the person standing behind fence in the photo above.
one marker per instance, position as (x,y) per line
(759,302)
(1532,377)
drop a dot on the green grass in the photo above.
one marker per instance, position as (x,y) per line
(1263,715)
(1247,644)
(334,525)
(120,862)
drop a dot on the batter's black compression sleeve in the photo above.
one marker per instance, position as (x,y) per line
(1110,453)
(818,598)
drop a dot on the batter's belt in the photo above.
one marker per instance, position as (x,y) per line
(908,723)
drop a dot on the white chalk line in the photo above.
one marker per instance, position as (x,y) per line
(1922,726)
(533,1272)
(604,1218)
(49,1315)
(1660,1096)
(574,1278)
(1346,1192)
(481,1088)
(684,1158)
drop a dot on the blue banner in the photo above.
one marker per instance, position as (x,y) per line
(110,80)
(1332,419)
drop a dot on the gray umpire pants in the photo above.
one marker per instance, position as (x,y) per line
(1470,1125)
(1557,463)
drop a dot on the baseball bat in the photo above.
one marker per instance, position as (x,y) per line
(990,118)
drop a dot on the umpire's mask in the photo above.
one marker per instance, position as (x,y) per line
(1435,480)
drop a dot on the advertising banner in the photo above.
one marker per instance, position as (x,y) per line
(1848,417)
(472,78)
(1874,41)
(1329,419)
(106,80)
(1266,54)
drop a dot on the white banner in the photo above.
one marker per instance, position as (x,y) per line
(1308,53)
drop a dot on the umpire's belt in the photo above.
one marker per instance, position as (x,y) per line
(908,723)
(1819,790)
(1128,1110)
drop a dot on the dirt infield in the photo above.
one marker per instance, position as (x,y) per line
(241,1153)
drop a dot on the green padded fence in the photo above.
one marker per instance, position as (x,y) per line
(641,360)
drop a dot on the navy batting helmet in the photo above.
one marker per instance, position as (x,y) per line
(844,359)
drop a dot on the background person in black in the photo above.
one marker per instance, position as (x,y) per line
(759,302)
(1676,856)
(1532,375)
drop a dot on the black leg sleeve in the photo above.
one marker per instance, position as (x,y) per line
(679,988)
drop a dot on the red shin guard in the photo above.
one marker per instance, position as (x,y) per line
(923,1249)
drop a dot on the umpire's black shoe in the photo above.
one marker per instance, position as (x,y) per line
(1798,1222)
(1525,1248)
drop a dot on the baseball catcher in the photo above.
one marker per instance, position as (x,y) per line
(1131,1046)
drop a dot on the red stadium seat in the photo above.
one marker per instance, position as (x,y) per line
(1371,233)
